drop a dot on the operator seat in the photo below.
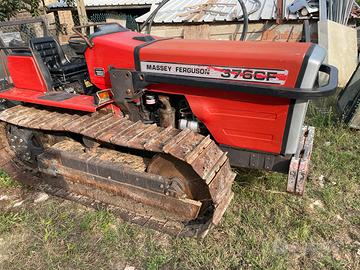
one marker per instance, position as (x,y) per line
(48,50)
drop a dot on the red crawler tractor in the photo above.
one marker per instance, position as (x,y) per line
(150,127)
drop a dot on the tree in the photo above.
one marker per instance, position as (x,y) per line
(10,8)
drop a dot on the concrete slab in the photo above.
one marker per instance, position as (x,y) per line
(341,44)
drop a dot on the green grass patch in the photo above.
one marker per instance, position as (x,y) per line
(6,181)
(11,220)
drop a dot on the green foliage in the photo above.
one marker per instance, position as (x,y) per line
(10,220)
(10,8)
(6,181)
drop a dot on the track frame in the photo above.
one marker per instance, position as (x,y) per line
(201,153)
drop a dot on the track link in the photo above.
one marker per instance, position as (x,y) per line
(199,152)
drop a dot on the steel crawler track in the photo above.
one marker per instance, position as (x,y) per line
(199,152)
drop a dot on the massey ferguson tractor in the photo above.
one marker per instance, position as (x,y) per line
(151,127)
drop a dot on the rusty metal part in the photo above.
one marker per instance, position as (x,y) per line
(25,143)
(124,92)
(78,29)
(182,175)
(299,165)
(167,113)
(118,173)
(192,166)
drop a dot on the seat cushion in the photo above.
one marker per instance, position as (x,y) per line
(78,65)
(49,51)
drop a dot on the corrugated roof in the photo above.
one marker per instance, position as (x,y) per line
(99,3)
(224,10)
(118,2)
(196,10)
(58,4)
(185,10)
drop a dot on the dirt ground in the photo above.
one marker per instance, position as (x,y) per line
(264,228)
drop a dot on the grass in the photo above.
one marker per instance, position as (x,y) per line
(264,228)
(6,181)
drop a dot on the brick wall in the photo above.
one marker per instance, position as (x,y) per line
(21,16)
(66,25)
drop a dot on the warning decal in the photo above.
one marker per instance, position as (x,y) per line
(269,76)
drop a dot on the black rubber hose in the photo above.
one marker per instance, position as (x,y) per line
(152,16)
(245,17)
(246,20)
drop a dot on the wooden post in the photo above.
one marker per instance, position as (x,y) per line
(83,19)
(279,11)
(44,7)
